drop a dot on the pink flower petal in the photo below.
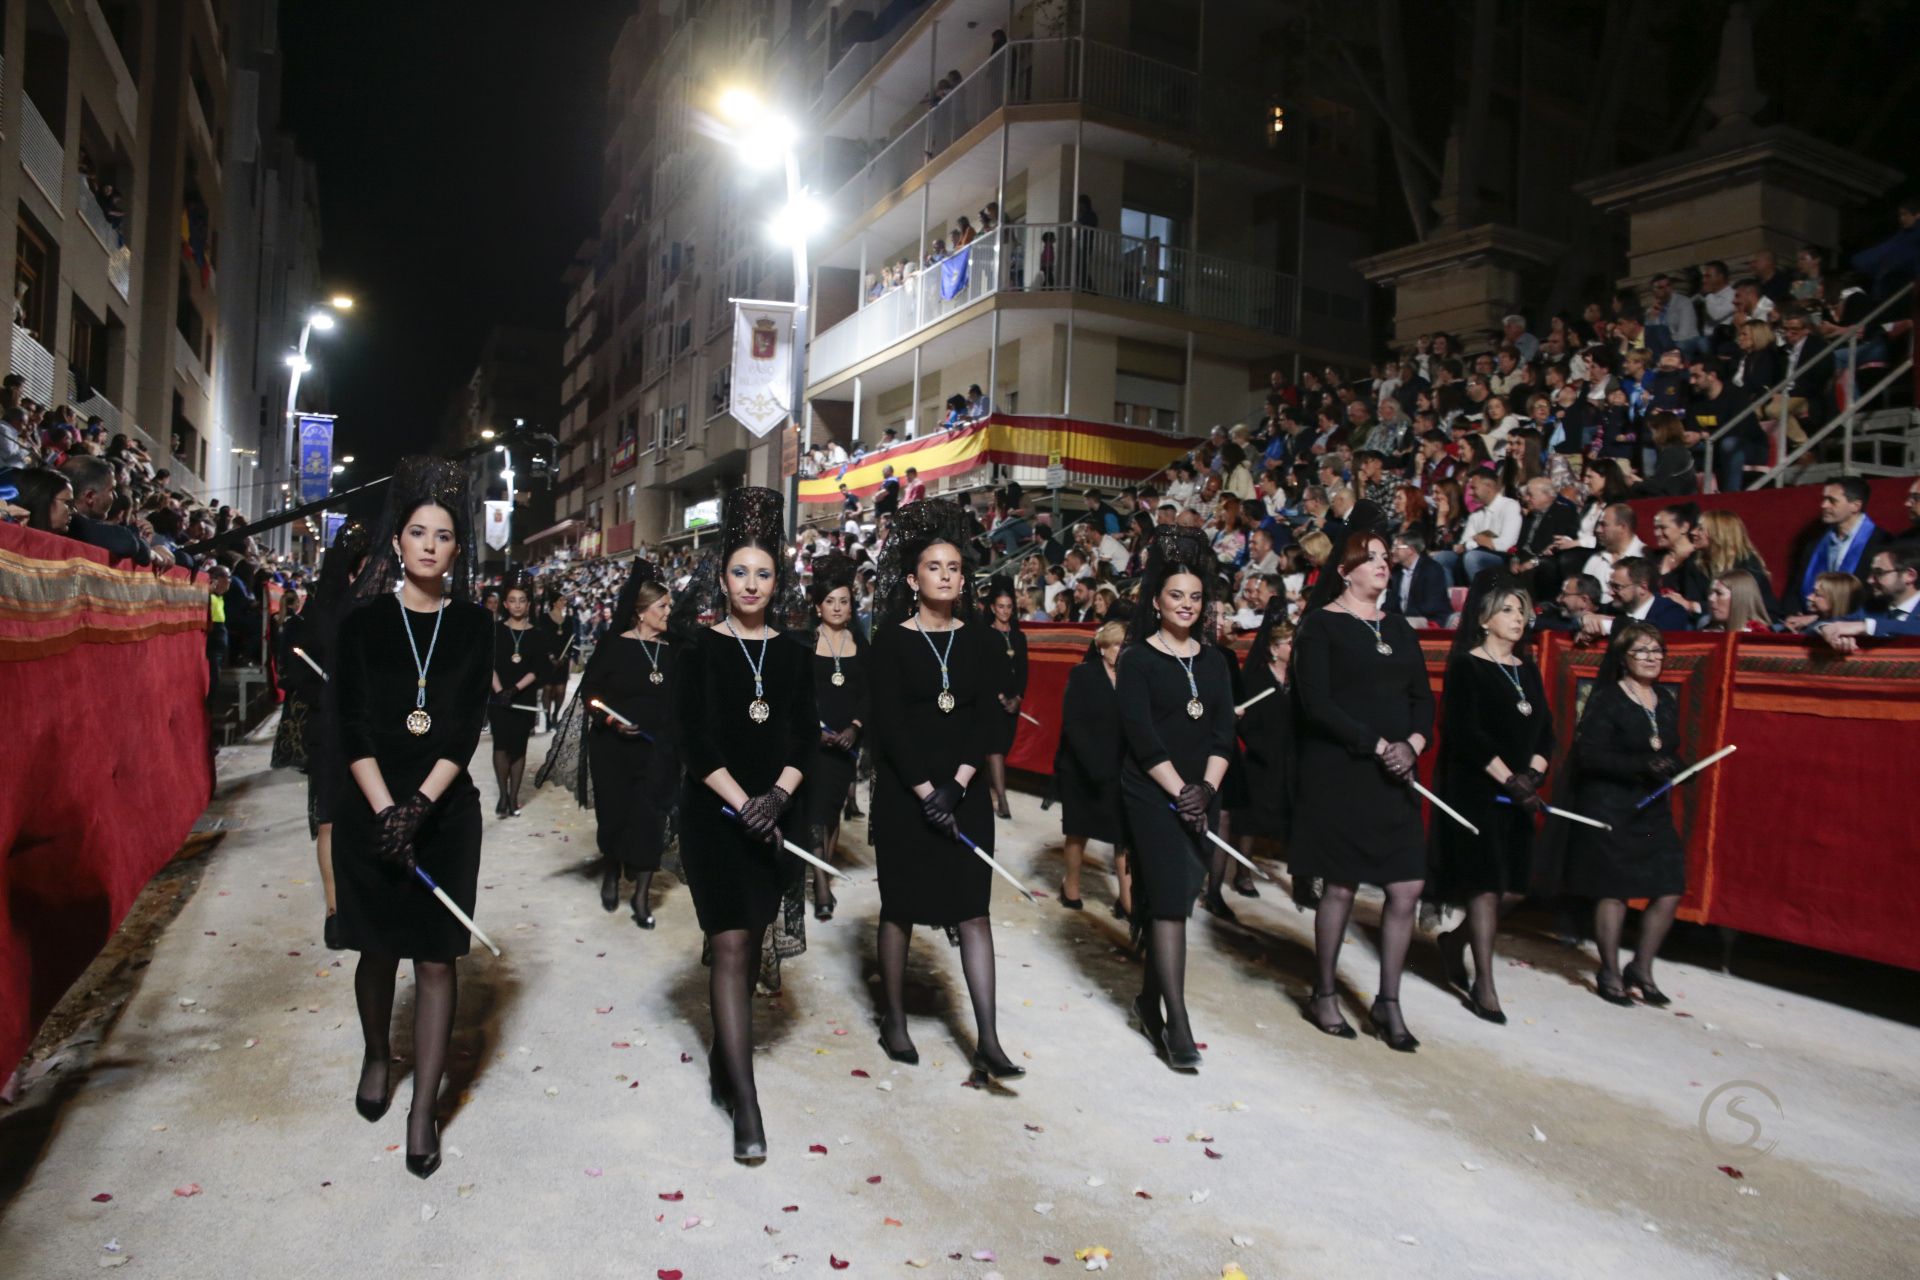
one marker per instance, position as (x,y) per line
(686,1057)
(861,1075)
(874,1181)
(1731,1172)
(838,1264)
(102,1198)
(603,1008)
(790,1208)
(1212,1154)
(667,1273)
(816,1149)
(593,1172)
(191,1189)
(673,1196)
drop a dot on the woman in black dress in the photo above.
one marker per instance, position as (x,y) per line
(411,688)
(627,696)
(522,655)
(1009,660)
(558,621)
(317,635)
(1086,767)
(1263,823)
(932,726)
(1176,712)
(839,661)
(1235,790)
(1494,750)
(743,704)
(1366,711)
(1623,749)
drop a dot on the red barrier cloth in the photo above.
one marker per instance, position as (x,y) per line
(1804,834)
(1784,523)
(103,674)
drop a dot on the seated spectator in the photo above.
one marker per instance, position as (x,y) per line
(1673,474)
(1895,582)
(1850,540)
(1808,380)
(1548,521)
(1734,604)
(1417,589)
(1490,532)
(1672,320)
(46,496)
(1260,588)
(1579,596)
(1635,600)
(93,497)
(1617,542)
(1836,597)
(1723,541)
(1261,556)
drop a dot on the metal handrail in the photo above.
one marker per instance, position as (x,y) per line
(1845,419)
(1760,400)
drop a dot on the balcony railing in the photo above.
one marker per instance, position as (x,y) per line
(41,154)
(1026,72)
(859,59)
(186,362)
(119,255)
(1058,258)
(95,406)
(34,363)
(125,95)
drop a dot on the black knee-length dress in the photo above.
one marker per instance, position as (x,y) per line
(319,638)
(1169,863)
(1353,823)
(1086,765)
(375,686)
(1482,722)
(635,782)
(737,880)
(1266,736)
(830,770)
(516,655)
(1642,856)
(926,878)
(1007,659)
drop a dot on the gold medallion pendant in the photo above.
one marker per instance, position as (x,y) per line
(1196,708)
(758,711)
(657,678)
(418,722)
(945,701)
(839,678)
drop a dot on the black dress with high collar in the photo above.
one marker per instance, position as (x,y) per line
(635,781)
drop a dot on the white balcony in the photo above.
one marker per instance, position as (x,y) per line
(96,406)
(186,363)
(125,96)
(34,363)
(41,154)
(119,255)
(1083,260)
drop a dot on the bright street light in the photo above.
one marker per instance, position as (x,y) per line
(321,320)
(339,468)
(347,458)
(341,302)
(486,433)
(298,363)
(802,219)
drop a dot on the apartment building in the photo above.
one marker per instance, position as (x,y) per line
(515,382)
(1167,228)
(126,127)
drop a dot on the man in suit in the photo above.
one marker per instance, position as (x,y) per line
(1548,516)
(92,481)
(1636,583)
(1807,388)
(1418,588)
(1895,580)
(1849,542)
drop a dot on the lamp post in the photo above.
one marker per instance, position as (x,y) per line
(317,319)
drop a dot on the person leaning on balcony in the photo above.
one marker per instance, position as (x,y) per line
(956,412)
(979,403)
(1894,577)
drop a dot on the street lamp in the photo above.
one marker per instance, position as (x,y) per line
(764,137)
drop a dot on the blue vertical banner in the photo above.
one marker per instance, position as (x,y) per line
(315,434)
(330,525)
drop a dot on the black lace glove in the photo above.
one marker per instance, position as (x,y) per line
(1662,767)
(397,825)
(940,806)
(761,814)
(1398,759)
(1192,804)
(846,738)
(1520,789)
(1536,778)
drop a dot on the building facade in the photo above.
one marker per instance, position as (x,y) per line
(515,384)
(164,229)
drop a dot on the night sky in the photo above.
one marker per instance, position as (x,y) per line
(458,153)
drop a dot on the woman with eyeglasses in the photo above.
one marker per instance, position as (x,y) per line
(1623,749)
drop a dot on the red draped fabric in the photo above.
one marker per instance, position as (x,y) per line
(1804,834)
(103,674)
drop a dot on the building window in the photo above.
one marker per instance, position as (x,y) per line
(35,271)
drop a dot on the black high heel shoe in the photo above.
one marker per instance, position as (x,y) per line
(1342,1029)
(824,910)
(1613,993)
(1453,958)
(1480,1011)
(371,1109)
(1148,1015)
(610,890)
(1401,1041)
(1005,1069)
(423,1166)
(1071,904)
(1187,1059)
(750,1150)
(1120,910)
(330,932)
(909,1055)
(1217,907)
(1649,993)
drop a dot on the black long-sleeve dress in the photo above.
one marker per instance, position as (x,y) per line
(830,770)
(375,685)
(1086,765)
(515,654)
(1352,821)
(1612,749)
(1266,734)
(558,634)
(926,878)
(736,879)
(1007,658)
(1483,721)
(1169,864)
(634,781)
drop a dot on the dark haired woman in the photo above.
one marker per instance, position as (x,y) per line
(316,632)
(1497,741)
(1009,662)
(747,723)
(522,654)
(1366,711)
(1176,709)
(931,730)
(840,696)
(1623,749)
(411,686)
(630,740)
(558,621)
(1266,733)
(1086,767)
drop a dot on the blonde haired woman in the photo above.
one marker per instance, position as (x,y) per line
(1834,596)
(1723,536)
(1734,604)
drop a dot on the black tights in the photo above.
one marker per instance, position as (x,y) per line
(1609,916)
(1165,982)
(1396,932)
(436,990)
(823,847)
(1484,913)
(736,959)
(976,962)
(507,772)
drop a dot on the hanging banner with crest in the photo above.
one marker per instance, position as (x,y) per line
(762,364)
